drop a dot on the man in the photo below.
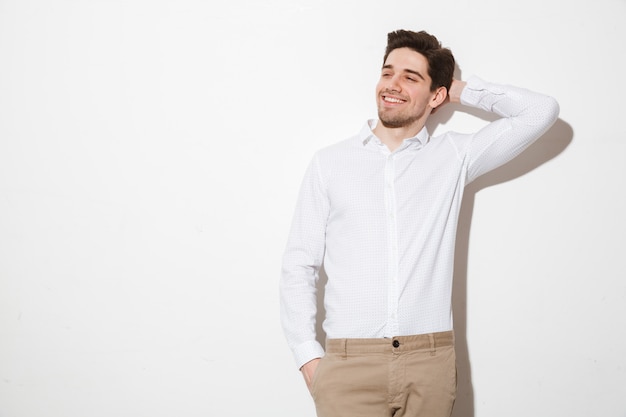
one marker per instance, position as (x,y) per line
(379,211)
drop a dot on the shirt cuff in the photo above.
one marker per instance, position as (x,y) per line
(476,89)
(307,352)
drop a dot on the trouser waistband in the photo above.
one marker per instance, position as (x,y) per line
(396,344)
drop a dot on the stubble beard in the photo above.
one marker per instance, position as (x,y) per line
(397,121)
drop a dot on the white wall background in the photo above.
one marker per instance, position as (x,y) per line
(150,156)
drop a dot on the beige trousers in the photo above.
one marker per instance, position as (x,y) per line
(404,376)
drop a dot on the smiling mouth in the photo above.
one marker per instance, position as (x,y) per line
(392,100)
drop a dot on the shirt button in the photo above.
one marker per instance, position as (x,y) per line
(395,344)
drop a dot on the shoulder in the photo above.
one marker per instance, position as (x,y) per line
(450,144)
(450,139)
(339,159)
(340,150)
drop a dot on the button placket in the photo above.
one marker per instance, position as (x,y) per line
(392,247)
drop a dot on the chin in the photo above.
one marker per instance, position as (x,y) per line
(391,122)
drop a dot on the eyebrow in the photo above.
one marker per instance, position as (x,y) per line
(388,66)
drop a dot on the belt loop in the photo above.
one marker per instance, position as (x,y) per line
(344,354)
(433,348)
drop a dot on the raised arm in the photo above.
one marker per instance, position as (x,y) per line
(525,116)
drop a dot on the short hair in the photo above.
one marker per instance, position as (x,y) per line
(440,60)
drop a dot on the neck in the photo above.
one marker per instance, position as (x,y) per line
(394,136)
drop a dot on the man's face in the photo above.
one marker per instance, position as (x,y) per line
(403,91)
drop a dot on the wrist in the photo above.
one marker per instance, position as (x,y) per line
(456,88)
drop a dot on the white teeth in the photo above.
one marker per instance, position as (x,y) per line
(393,100)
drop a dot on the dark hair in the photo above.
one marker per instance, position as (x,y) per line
(440,60)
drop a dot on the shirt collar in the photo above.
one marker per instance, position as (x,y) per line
(367,135)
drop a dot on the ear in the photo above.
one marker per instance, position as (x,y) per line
(439,97)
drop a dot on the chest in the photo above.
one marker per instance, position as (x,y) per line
(371,183)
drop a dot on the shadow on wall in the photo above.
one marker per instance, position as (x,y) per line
(551,144)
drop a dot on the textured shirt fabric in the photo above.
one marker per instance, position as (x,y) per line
(383,224)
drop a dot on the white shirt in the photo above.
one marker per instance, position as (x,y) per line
(383,224)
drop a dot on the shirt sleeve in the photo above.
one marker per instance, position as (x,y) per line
(302,261)
(526,116)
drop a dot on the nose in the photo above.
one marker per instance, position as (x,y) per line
(393,84)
